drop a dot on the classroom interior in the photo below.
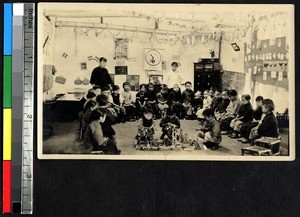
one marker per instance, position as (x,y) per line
(239,47)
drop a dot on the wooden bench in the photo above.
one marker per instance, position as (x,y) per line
(265,146)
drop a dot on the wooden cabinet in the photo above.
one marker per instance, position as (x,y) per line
(207,75)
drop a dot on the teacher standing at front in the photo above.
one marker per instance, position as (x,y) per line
(174,76)
(100,76)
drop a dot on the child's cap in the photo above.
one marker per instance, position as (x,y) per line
(174,64)
(116,87)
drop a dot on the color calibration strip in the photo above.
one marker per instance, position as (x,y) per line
(7,106)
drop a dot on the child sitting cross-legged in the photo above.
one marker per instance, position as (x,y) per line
(84,122)
(94,139)
(146,123)
(162,99)
(231,111)
(168,123)
(244,115)
(267,126)
(210,133)
(152,99)
(188,97)
(127,102)
(206,104)
(176,101)
(246,127)
(110,120)
(221,109)
(141,99)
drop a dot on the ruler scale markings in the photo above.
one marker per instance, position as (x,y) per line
(27,143)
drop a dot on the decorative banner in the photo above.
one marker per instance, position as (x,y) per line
(273,74)
(134,81)
(153,59)
(121,48)
(265,75)
(280,76)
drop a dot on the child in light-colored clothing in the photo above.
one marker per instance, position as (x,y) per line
(207,100)
(127,101)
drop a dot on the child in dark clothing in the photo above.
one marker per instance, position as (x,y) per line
(169,122)
(146,125)
(175,101)
(89,107)
(188,99)
(246,127)
(198,101)
(116,95)
(152,99)
(267,127)
(221,109)
(141,99)
(94,140)
(110,120)
(217,100)
(211,132)
(162,99)
(244,115)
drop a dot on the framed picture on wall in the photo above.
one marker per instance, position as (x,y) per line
(134,81)
(156,79)
(121,70)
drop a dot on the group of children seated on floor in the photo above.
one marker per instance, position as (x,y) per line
(218,113)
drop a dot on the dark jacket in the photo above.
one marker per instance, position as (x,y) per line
(151,96)
(110,119)
(268,127)
(101,77)
(257,113)
(116,98)
(162,97)
(141,97)
(246,112)
(188,96)
(175,97)
(164,122)
(222,106)
(216,103)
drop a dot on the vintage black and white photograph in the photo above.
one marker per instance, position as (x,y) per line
(138,81)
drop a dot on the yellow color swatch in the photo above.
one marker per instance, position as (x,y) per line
(7,133)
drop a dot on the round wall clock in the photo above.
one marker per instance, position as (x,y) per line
(153,57)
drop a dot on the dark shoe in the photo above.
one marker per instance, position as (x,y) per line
(244,140)
(234,136)
(214,147)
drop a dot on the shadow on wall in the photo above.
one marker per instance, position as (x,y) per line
(233,80)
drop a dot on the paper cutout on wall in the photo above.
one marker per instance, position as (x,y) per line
(280,76)
(60,79)
(121,70)
(97,59)
(83,66)
(265,75)
(90,58)
(273,74)
(64,55)
(121,48)
(255,70)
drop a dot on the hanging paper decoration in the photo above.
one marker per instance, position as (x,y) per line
(64,55)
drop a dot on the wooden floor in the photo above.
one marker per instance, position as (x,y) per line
(65,140)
